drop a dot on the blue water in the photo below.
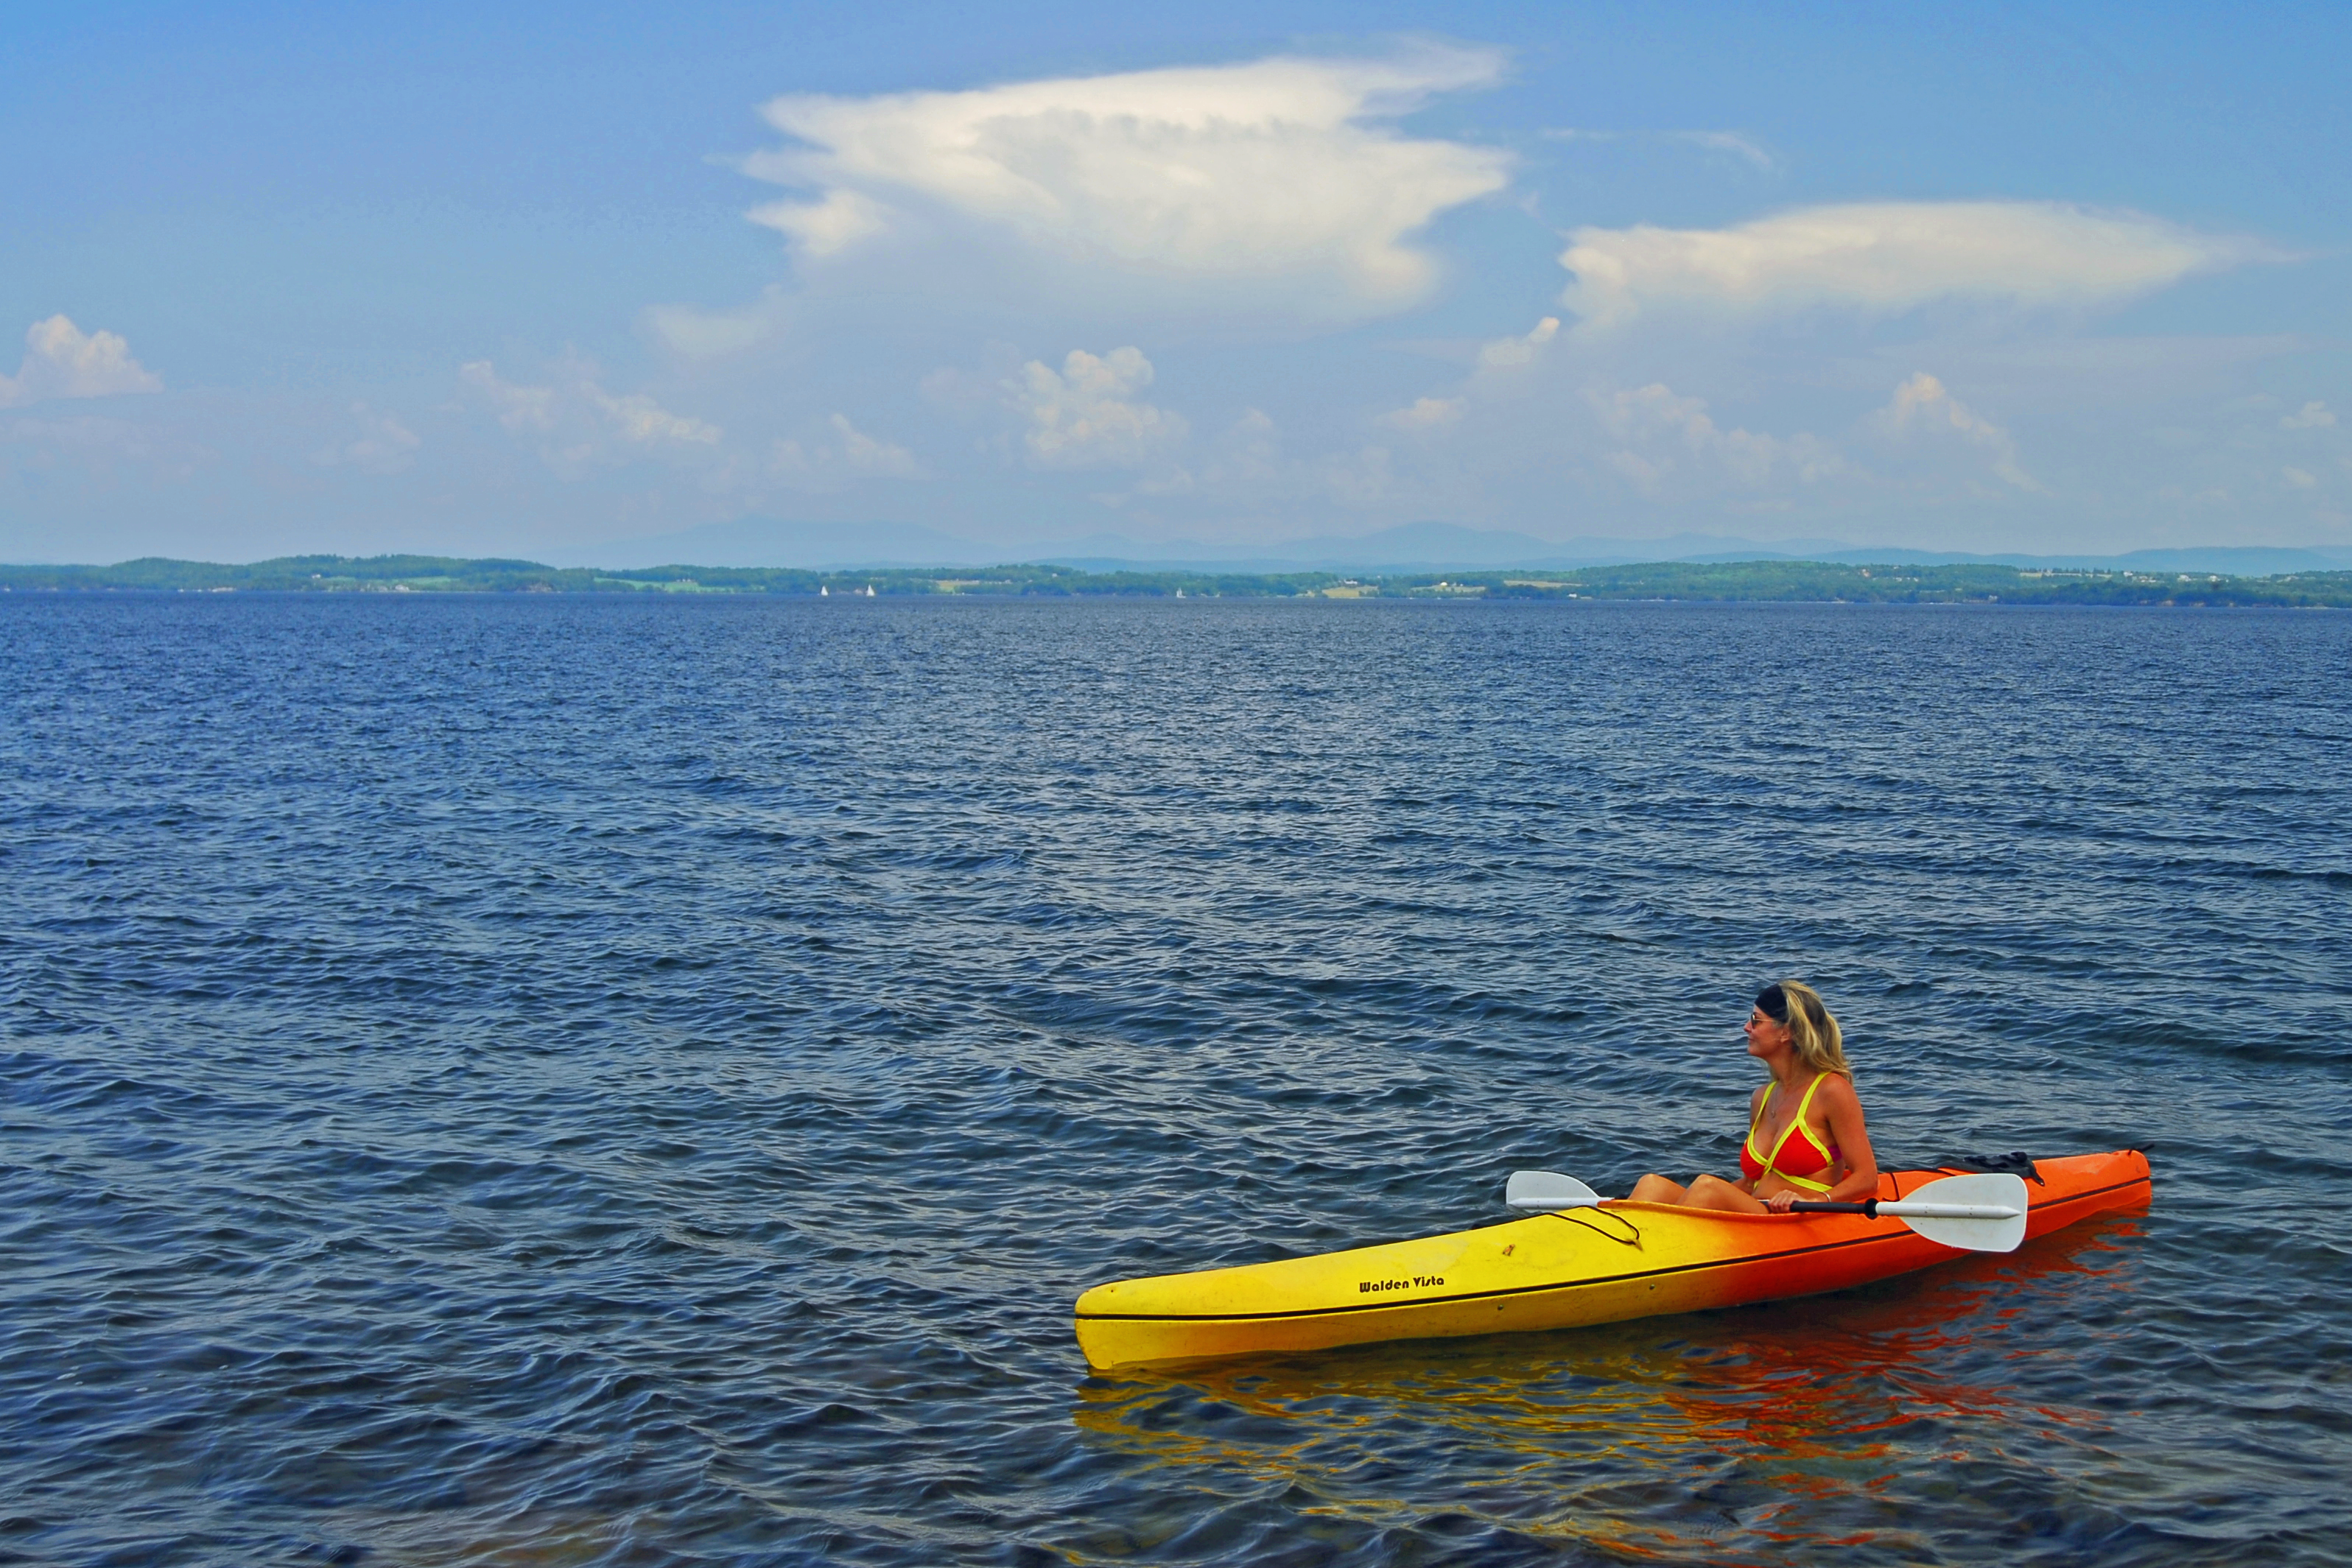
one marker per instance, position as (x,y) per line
(563,1081)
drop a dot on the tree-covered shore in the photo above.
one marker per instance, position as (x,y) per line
(1787,581)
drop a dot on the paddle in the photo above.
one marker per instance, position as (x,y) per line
(1973,1213)
(1548,1191)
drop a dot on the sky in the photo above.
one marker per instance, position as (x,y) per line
(572,281)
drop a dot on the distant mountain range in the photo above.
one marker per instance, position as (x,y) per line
(1414,547)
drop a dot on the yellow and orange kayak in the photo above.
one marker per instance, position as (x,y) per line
(1553,1272)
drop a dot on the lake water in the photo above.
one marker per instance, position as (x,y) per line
(565,1081)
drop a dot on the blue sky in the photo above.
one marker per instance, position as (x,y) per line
(565,280)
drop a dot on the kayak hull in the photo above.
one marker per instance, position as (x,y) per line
(1553,1272)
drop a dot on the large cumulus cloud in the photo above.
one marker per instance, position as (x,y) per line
(1283,168)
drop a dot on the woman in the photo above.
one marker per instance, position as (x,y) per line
(1805,1136)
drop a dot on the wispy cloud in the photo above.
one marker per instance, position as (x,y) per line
(576,424)
(870,455)
(823,462)
(1504,351)
(1737,143)
(1427,413)
(1734,143)
(1890,257)
(639,418)
(1655,431)
(385,445)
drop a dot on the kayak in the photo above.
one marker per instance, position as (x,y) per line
(1556,1271)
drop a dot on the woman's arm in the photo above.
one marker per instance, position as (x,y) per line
(1843,1108)
(1755,1107)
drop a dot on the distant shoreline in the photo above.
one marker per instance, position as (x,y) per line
(1755,581)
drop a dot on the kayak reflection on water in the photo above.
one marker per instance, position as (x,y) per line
(1806,1141)
(1741,1436)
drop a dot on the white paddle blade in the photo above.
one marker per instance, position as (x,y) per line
(1544,1191)
(1974,1213)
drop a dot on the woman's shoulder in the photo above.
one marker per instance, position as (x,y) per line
(1836,1089)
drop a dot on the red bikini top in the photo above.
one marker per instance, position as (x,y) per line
(1797,1155)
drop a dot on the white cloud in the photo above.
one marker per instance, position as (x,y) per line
(835,223)
(640,418)
(1427,413)
(1088,413)
(520,408)
(385,445)
(1890,257)
(2298,478)
(1659,430)
(1500,354)
(2311,416)
(1276,168)
(836,464)
(1922,408)
(868,455)
(702,334)
(61,360)
(582,424)
(1519,350)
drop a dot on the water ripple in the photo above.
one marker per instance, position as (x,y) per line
(597,1081)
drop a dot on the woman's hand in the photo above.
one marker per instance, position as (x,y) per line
(1779,1201)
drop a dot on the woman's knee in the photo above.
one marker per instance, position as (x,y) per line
(1655,1188)
(1714,1192)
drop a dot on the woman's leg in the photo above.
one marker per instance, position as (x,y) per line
(1656,1189)
(1714,1192)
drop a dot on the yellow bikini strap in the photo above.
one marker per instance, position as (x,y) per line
(1756,1119)
(1806,1104)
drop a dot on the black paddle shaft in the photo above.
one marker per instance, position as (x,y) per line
(1868,1206)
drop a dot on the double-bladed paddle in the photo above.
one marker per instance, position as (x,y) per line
(1982,1213)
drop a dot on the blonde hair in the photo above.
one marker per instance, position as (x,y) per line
(1813,1034)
